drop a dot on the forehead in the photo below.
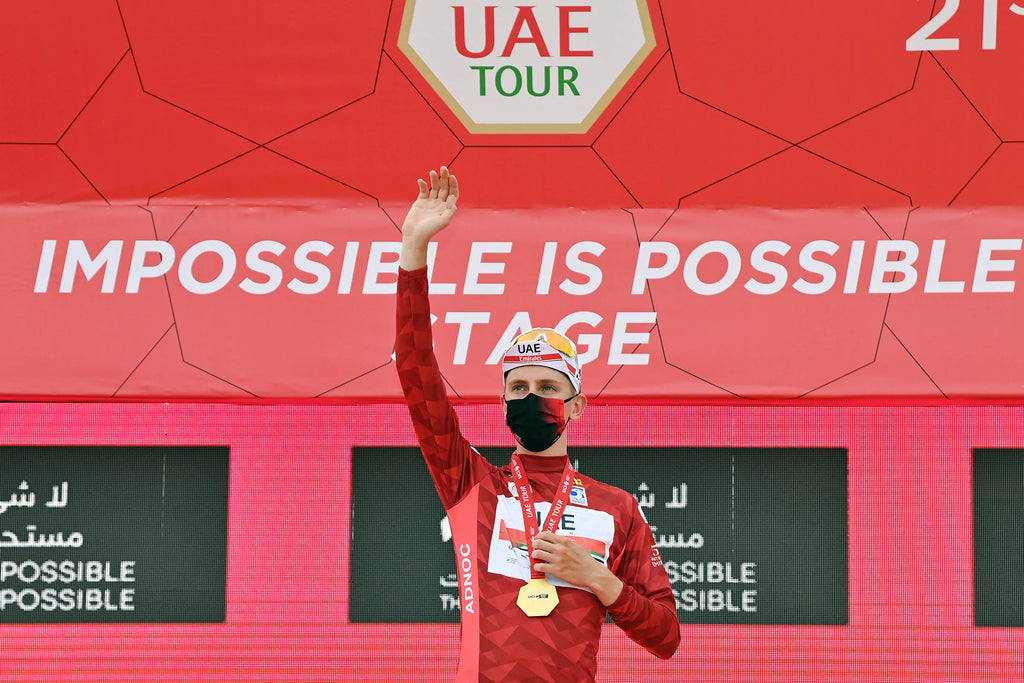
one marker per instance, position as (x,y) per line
(535,373)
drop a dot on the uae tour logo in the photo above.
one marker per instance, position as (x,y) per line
(507,67)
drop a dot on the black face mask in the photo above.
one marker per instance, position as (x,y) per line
(536,422)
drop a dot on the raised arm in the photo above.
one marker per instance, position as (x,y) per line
(453,464)
(431,213)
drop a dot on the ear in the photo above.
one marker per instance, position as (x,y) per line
(576,409)
(504,405)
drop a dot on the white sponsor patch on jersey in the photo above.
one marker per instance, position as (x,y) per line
(593,530)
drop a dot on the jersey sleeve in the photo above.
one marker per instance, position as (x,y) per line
(646,608)
(454,465)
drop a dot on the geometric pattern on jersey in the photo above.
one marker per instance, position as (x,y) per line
(499,642)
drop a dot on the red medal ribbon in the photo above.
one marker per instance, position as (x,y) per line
(558,505)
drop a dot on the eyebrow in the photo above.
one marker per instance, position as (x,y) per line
(553,381)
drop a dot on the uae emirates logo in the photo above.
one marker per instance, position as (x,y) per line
(507,67)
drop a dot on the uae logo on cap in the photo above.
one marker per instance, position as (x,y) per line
(505,66)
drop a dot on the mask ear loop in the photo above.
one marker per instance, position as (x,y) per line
(565,409)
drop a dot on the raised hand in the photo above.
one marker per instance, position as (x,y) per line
(435,206)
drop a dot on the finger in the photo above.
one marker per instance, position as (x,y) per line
(545,545)
(449,205)
(434,182)
(453,188)
(549,537)
(424,188)
(442,188)
(548,551)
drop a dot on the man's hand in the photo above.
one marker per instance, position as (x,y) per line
(431,213)
(561,557)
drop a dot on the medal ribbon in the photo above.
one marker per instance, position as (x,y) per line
(558,505)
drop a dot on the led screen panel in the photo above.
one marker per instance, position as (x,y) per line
(875,505)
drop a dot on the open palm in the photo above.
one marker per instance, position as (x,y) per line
(434,208)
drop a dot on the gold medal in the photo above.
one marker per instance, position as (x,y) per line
(537,598)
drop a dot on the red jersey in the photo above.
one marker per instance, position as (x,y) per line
(499,642)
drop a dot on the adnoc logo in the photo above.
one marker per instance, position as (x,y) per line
(504,66)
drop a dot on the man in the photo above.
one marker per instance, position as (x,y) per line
(544,551)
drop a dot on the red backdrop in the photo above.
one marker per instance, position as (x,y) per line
(781,203)
(857,139)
